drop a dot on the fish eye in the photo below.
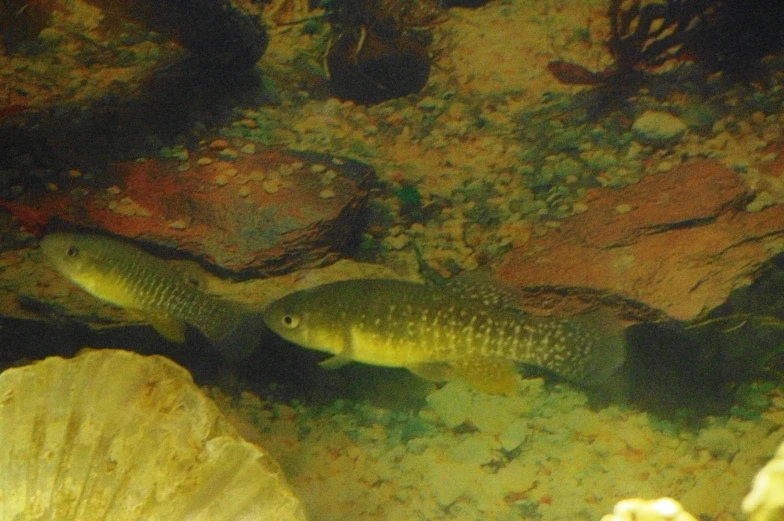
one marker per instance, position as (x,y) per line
(72,251)
(290,321)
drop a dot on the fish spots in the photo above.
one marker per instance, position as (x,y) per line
(403,324)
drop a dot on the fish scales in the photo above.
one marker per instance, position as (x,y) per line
(126,276)
(152,285)
(405,324)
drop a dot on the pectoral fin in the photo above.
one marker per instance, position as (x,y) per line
(335,362)
(169,328)
(492,376)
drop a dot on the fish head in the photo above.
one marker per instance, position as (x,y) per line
(67,253)
(77,257)
(304,319)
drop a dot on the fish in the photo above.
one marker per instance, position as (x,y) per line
(163,293)
(467,330)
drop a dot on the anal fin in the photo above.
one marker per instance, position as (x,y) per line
(169,328)
(432,371)
(490,375)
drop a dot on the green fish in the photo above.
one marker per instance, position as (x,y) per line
(462,330)
(159,291)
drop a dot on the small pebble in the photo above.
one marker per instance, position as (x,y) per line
(228,153)
(244,191)
(52,187)
(327,193)
(665,166)
(327,177)
(623,208)
(658,128)
(317,168)
(74,174)
(579,207)
(219,144)
(113,190)
(230,172)
(221,180)
(271,186)
(248,148)
(179,224)
(515,434)
(204,161)
(397,242)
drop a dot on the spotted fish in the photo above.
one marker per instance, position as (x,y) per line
(470,331)
(154,289)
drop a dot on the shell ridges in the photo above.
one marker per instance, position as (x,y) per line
(113,435)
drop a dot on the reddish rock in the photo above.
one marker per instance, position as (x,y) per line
(263,213)
(674,244)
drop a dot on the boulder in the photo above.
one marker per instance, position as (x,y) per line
(262,213)
(673,245)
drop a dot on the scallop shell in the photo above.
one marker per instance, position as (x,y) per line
(765,501)
(112,435)
(636,509)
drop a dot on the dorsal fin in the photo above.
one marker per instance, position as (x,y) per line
(484,288)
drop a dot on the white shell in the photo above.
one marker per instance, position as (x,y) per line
(112,435)
(636,509)
(765,501)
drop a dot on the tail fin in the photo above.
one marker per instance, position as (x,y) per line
(586,349)
(242,337)
(606,349)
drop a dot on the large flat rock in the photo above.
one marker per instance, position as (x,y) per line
(673,245)
(256,214)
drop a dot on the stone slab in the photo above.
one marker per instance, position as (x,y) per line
(673,245)
(258,214)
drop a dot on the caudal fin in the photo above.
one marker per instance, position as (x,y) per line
(242,337)
(605,349)
(586,349)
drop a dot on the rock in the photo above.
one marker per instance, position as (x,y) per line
(449,403)
(217,31)
(658,128)
(181,63)
(381,60)
(683,245)
(515,434)
(235,222)
(474,449)
(447,483)
(457,403)
(720,441)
